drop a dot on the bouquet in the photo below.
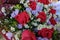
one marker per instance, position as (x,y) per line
(28,20)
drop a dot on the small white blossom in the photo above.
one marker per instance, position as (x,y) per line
(0,21)
(3,9)
(35,24)
(40,27)
(50,15)
(38,19)
(26,26)
(12,29)
(3,31)
(58,24)
(55,27)
(46,6)
(11,7)
(49,27)
(16,37)
(25,4)
(54,16)
(5,14)
(32,18)
(22,1)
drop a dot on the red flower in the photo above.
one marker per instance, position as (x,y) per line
(32,5)
(53,11)
(46,32)
(28,35)
(22,17)
(42,16)
(52,21)
(44,1)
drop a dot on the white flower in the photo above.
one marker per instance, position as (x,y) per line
(0,21)
(43,26)
(3,31)
(40,27)
(49,27)
(35,24)
(50,15)
(38,19)
(22,1)
(16,37)
(26,26)
(3,9)
(55,27)
(11,7)
(12,29)
(58,24)
(30,14)
(46,6)
(54,16)
(26,5)
(32,18)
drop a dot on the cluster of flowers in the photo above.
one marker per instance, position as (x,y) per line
(29,20)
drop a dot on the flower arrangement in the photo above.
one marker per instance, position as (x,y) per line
(28,20)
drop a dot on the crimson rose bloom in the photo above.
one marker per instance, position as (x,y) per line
(22,17)
(44,1)
(28,35)
(32,5)
(52,21)
(53,11)
(46,33)
(42,16)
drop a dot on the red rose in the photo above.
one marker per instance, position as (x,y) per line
(22,17)
(46,33)
(52,21)
(53,11)
(28,35)
(32,5)
(42,16)
(44,1)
